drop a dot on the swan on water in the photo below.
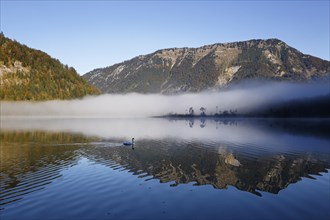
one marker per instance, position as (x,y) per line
(129,142)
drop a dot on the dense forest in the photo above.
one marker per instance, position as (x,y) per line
(29,74)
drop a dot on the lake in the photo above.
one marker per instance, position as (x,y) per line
(77,168)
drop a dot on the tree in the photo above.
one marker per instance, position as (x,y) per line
(203,110)
(191,111)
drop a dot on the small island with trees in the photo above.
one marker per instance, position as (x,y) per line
(314,107)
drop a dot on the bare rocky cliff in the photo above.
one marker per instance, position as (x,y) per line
(209,67)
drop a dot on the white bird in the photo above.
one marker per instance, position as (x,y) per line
(129,142)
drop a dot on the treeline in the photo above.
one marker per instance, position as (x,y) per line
(318,106)
(29,74)
(314,107)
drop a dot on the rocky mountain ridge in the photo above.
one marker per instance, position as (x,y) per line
(213,66)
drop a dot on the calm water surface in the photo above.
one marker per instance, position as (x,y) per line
(178,169)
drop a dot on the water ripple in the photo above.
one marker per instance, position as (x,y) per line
(16,185)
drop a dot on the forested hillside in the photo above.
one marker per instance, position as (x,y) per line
(29,74)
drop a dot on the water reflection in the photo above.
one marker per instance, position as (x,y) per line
(315,127)
(32,160)
(252,155)
(184,162)
(232,130)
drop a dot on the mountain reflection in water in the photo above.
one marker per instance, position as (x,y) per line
(218,165)
(252,155)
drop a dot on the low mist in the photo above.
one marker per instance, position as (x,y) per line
(243,97)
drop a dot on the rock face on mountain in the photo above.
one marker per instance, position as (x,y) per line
(208,67)
(29,74)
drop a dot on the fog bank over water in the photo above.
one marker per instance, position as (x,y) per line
(243,97)
(270,134)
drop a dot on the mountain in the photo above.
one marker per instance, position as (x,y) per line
(29,74)
(212,66)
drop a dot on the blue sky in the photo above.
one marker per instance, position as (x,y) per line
(93,34)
